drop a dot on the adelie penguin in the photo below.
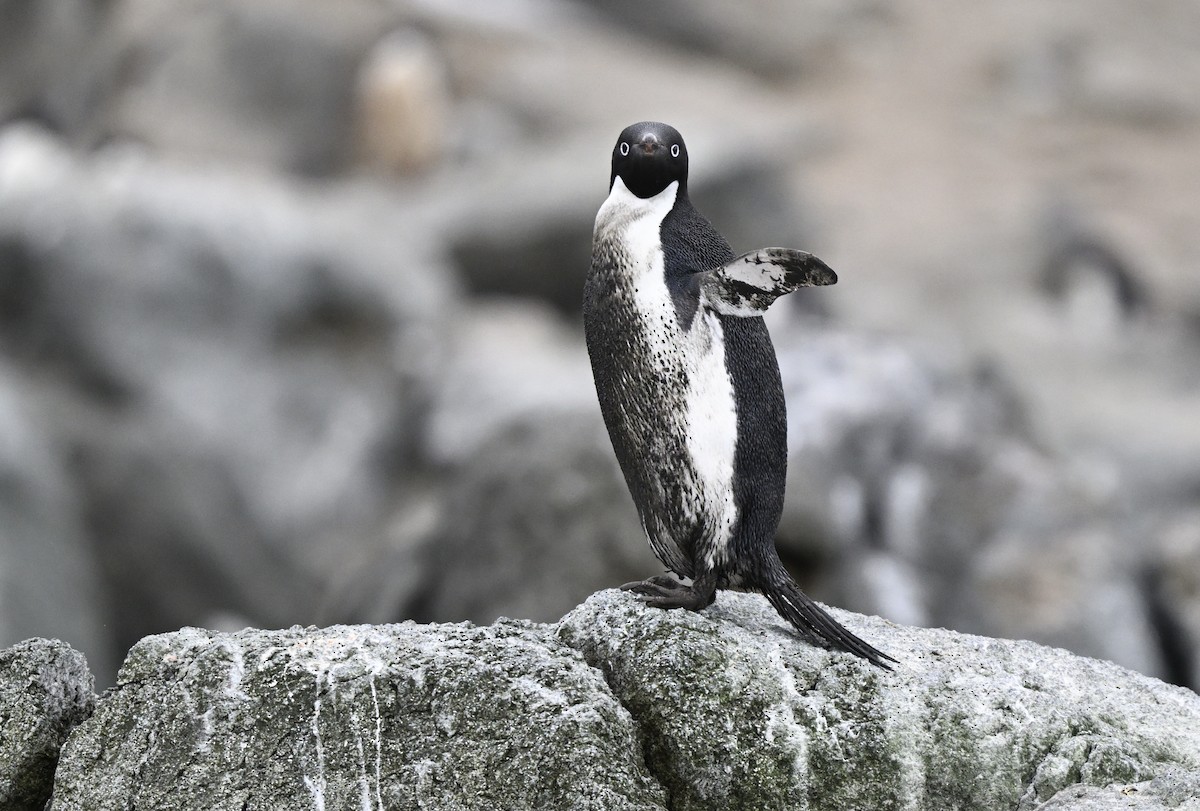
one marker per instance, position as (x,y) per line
(689,385)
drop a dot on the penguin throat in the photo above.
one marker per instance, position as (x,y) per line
(620,198)
(633,221)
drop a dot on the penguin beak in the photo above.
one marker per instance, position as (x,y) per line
(649,143)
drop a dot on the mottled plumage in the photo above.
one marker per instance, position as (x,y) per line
(689,386)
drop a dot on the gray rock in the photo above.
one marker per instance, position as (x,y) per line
(1173,586)
(389,580)
(51,61)
(1097,66)
(508,360)
(736,712)
(776,38)
(45,692)
(894,448)
(50,584)
(525,511)
(539,519)
(372,717)
(724,708)
(533,513)
(1175,788)
(1077,586)
(272,83)
(233,365)
(919,490)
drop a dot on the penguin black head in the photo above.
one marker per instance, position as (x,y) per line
(648,157)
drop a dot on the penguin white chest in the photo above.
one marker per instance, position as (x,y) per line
(691,358)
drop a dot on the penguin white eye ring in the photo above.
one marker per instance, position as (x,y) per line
(690,389)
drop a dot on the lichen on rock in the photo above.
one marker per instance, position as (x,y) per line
(622,706)
(45,691)
(737,712)
(370,717)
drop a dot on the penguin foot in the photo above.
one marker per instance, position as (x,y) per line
(665,581)
(664,591)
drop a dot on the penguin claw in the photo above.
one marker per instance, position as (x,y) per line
(664,591)
(659,581)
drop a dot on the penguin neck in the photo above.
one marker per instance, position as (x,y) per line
(623,209)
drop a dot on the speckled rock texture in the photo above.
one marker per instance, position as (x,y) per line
(620,706)
(45,691)
(1174,789)
(737,713)
(364,717)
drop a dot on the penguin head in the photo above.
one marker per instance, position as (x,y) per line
(648,157)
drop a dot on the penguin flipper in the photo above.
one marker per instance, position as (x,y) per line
(748,285)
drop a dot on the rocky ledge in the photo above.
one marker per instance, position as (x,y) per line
(45,691)
(616,706)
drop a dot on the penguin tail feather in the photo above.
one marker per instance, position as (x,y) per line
(815,624)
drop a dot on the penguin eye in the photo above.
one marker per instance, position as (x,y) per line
(674,150)
(624,149)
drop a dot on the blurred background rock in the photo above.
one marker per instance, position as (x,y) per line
(289,298)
